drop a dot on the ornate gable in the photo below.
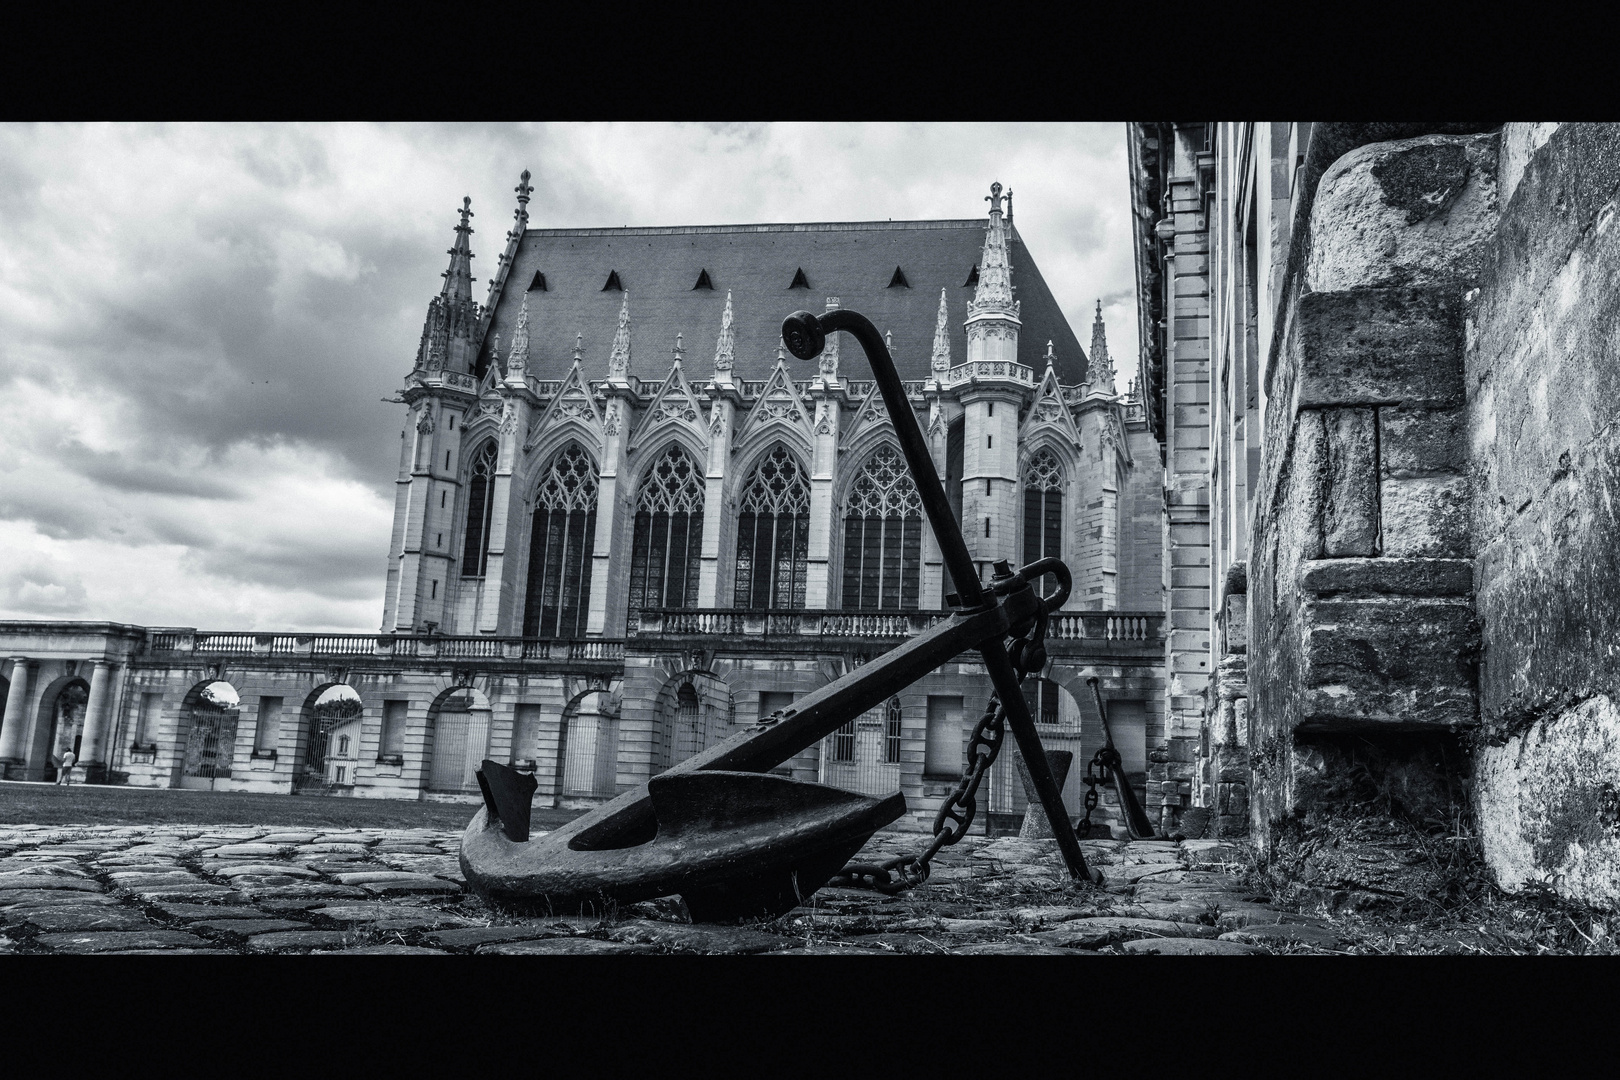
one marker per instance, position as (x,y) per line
(572,405)
(674,403)
(1049,410)
(872,412)
(779,405)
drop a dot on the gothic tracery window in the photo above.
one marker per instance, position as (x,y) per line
(560,547)
(883,535)
(480,509)
(1043,509)
(773,535)
(669,534)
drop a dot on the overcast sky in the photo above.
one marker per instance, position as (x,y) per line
(197,322)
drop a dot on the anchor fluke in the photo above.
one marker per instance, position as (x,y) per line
(509,796)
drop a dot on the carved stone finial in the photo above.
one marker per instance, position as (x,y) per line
(829,352)
(994,293)
(619,358)
(680,353)
(1009,207)
(1101,374)
(579,345)
(518,360)
(941,359)
(994,198)
(725,349)
(1051,358)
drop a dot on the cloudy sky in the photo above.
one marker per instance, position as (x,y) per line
(198,322)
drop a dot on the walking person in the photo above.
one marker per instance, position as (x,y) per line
(64,775)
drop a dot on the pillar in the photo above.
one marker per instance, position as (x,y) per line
(95,721)
(16,715)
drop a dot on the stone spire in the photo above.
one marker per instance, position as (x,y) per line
(579,346)
(619,358)
(680,351)
(941,361)
(1102,368)
(524,189)
(1051,357)
(517,361)
(725,349)
(829,353)
(458,279)
(994,293)
(451,325)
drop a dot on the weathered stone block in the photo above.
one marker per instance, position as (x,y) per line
(1378,347)
(1350,514)
(1236,614)
(1425,517)
(1418,442)
(1409,212)
(1387,576)
(1397,663)
(1548,804)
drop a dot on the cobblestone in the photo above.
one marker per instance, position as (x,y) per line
(380,892)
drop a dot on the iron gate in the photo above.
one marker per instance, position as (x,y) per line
(210,745)
(589,760)
(460,744)
(864,754)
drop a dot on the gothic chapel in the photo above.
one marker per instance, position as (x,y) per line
(615,446)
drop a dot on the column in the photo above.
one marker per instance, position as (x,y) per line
(609,582)
(16,716)
(501,610)
(820,590)
(722,416)
(95,720)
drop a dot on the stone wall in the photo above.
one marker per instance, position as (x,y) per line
(1543,387)
(1359,610)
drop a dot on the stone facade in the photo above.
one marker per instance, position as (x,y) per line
(566,463)
(1408,487)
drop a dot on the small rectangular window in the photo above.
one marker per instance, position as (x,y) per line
(452,421)
(447,459)
(435,594)
(146,723)
(342,774)
(987,526)
(442,495)
(989,442)
(992,409)
(942,756)
(440,541)
(987,484)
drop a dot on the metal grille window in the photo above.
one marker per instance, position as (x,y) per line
(480,508)
(891,735)
(669,534)
(883,536)
(560,547)
(1042,697)
(1043,509)
(844,743)
(773,535)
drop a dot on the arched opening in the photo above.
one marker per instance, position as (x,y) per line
(668,544)
(773,535)
(864,754)
(331,739)
(695,710)
(883,536)
(480,511)
(561,544)
(1043,510)
(210,716)
(458,733)
(588,761)
(65,706)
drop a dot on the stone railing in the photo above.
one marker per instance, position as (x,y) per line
(989,369)
(383,646)
(545,387)
(1130,626)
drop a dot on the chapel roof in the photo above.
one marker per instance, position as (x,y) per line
(756,264)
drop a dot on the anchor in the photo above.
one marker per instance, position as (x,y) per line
(733,840)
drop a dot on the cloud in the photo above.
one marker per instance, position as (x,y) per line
(198,322)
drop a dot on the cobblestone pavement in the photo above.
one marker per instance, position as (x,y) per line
(234,889)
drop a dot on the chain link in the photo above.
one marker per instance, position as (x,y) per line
(956,814)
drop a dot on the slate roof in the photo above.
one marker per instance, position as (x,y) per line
(854,261)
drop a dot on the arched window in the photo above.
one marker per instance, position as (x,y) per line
(560,547)
(882,535)
(480,507)
(669,535)
(1043,509)
(773,535)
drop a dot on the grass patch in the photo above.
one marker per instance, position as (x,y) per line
(91,804)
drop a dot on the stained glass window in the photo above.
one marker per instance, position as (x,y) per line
(773,535)
(560,547)
(669,534)
(883,536)
(480,509)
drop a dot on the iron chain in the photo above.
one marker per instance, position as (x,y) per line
(956,814)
